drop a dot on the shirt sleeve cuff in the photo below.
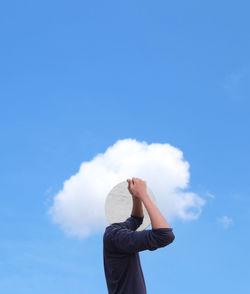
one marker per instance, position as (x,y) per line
(138,217)
(163,229)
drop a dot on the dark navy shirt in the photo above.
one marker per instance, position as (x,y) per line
(121,247)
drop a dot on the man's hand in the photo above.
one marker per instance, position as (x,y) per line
(137,188)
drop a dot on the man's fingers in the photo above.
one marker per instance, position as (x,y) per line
(129,184)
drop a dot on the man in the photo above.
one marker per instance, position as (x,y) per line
(122,243)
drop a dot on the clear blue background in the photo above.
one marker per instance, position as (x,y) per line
(76,76)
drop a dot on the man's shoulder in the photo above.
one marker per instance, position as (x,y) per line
(109,235)
(112,229)
(108,231)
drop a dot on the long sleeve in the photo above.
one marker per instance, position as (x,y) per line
(128,242)
(131,223)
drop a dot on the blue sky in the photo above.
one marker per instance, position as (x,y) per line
(78,76)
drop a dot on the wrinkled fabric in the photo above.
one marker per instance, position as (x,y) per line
(121,247)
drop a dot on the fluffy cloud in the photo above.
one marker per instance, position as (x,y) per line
(79,206)
(225,221)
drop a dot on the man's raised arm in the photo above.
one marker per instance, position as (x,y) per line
(137,188)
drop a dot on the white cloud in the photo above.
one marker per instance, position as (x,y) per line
(210,195)
(225,221)
(79,207)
